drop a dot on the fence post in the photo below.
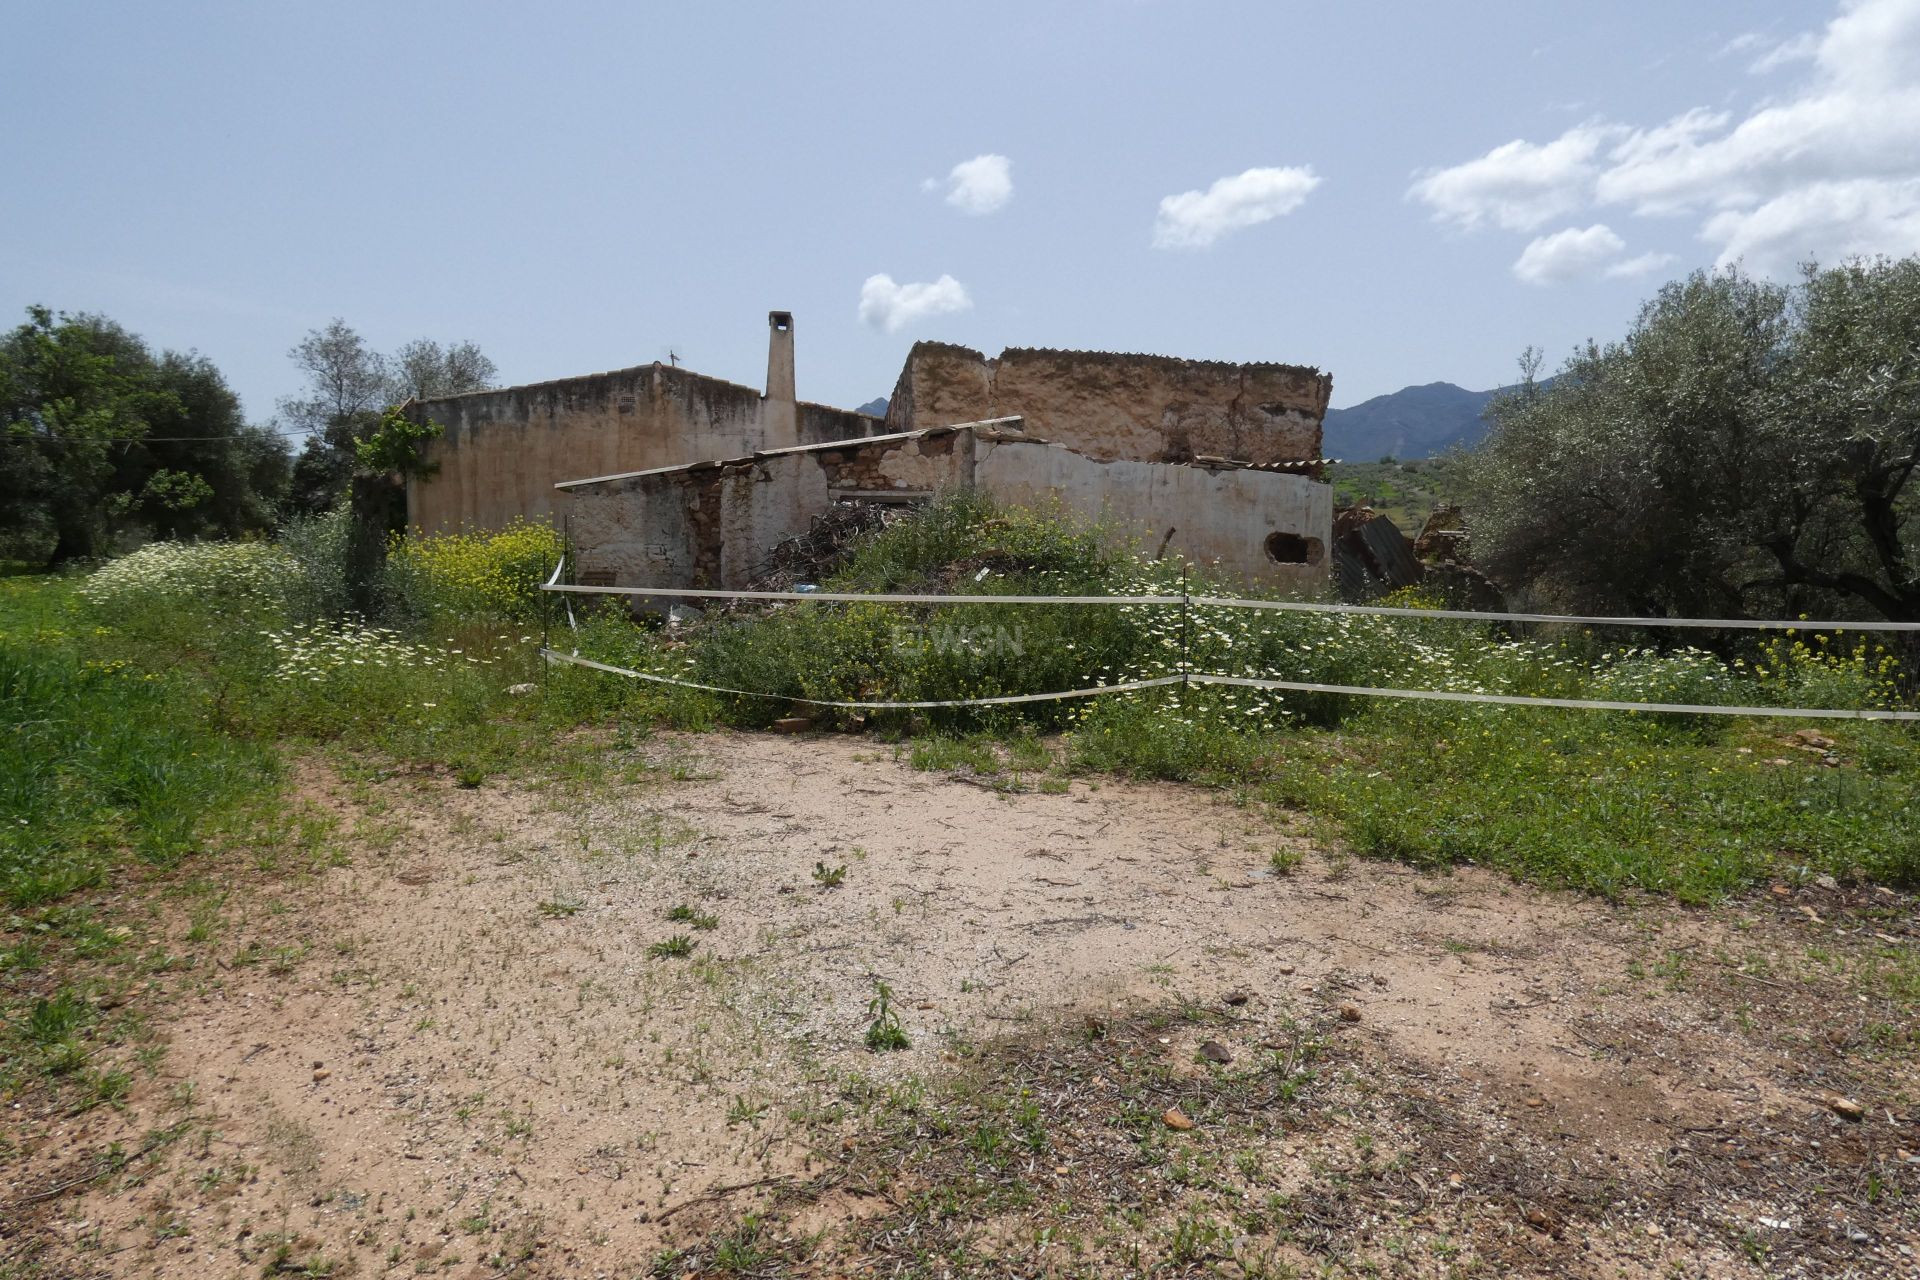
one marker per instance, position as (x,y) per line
(1185,605)
(546,615)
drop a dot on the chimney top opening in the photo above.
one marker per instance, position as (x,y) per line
(781,320)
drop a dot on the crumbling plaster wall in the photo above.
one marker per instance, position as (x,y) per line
(1222,518)
(1110,406)
(714,526)
(503,451)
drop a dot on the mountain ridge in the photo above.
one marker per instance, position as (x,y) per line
(1417,421)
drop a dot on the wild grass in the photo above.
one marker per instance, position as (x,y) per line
(1612,805)
(149,708)
(1607,802)
(148,712)
(99,759)
(685,914)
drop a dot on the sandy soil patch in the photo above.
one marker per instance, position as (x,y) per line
(462,1052)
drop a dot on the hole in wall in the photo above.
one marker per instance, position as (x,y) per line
(1292,548)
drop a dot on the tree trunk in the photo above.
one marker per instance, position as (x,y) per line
(379,509)
(75,536)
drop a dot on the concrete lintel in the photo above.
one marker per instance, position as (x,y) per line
(880,495)
(989,428)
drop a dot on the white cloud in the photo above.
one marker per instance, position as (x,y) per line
(1568,255)
(1195,219)
(890,306)
(1799,49)
(1639,265)
(1872,43)
(1832,220)
(1517,186)
(983,184)
(1828,168)
(1768,52)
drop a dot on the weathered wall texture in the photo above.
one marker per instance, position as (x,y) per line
(504,451)
(1108,406)
(714,525)
(1224,518)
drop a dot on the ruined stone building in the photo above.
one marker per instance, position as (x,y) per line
(666,478)
(1107,406)
(505,450)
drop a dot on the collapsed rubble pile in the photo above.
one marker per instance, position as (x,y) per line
(816,554)
(1372,557)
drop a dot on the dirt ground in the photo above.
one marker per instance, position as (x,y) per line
(1140,1042)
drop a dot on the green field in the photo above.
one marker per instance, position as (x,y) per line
(1405,492)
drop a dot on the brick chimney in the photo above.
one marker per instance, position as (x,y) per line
(779,412)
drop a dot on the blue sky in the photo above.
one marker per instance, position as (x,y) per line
(1408,190)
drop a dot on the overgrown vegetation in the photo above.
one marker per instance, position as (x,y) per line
(1608,802)
(1747,449)
(1406,492)
(199,656)
(150,709)
(148,712)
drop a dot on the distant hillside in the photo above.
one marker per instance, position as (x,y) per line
(876,408)
(1413,422)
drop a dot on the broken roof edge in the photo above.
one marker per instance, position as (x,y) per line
(1214,462)
(996,426)
(1278,366)
(668,369)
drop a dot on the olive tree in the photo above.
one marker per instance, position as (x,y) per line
(1845,407)
(1745,448)
(348,384)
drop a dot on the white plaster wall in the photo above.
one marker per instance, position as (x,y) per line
(640,529)
(1217,517)
(643,538)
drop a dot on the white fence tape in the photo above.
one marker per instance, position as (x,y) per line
(855,597)
(1236,602)
(554,655)
(1248,682)
(1573,619)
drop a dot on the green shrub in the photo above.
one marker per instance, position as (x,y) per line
(1822,670)
(475,575)
(320,584)
(226,579)
(1685,676)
